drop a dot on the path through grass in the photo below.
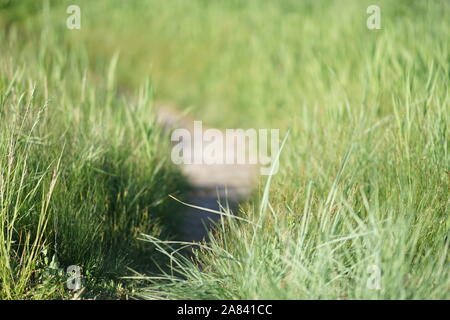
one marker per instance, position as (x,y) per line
(358,209)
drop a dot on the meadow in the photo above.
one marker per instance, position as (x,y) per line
(358,210)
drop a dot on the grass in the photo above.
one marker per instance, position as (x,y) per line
(362,191)
(83,172)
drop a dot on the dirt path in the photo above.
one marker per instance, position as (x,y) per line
(211,184)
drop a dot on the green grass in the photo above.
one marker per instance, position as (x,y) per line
(364,174)
(83,171)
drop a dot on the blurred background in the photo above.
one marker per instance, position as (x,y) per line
(255,61)
(363,177)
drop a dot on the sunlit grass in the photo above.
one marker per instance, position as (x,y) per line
(364,175)
(83,172)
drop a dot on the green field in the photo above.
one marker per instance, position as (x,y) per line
(363,187)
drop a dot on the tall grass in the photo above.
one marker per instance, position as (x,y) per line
(83,169)
(362,192)
(359,208)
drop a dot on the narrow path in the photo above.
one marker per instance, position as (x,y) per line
(211,184)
